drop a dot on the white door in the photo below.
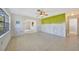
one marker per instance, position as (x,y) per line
(73,25)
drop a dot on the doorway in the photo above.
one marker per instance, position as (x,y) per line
(29,26)
(72,25)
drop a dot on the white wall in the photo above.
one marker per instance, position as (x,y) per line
(55,29)
(4,40)
(14,29)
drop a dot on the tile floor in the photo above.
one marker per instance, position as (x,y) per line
(43,42)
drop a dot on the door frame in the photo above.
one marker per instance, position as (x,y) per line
(67,25)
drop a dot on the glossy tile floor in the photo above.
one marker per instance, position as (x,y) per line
(43,42)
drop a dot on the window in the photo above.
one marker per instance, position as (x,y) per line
(4,22)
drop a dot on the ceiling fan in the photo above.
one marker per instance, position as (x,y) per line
(42,12)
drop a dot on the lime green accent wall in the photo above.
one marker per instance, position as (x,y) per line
(54,19)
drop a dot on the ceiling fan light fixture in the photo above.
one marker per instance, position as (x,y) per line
(42,13)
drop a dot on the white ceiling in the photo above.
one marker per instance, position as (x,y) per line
(32,12)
